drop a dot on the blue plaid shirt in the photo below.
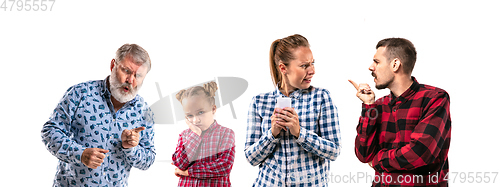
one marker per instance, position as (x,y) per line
(85,118)
(287,160)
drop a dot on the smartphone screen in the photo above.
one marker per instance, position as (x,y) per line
(282,102)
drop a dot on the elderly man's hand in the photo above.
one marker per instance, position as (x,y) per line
(130,138)
(93,157)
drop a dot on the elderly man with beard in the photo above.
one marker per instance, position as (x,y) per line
(101,129)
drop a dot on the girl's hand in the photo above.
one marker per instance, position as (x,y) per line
(180,173)
(193,128)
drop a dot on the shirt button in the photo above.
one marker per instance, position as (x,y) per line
(394,110)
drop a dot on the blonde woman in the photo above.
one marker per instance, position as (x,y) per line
(293,145)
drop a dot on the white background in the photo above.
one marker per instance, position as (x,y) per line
(44,53)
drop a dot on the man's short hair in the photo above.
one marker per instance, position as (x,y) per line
(402,49)
(138,54)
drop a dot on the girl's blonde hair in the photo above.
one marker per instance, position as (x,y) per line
(207,90)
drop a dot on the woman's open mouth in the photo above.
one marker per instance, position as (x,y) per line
(307,80)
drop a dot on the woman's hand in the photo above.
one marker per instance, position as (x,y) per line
(287,117)
(275,127)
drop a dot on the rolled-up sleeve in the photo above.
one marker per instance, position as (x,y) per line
(143,155)
(327,143)
(56,132)
(258,145)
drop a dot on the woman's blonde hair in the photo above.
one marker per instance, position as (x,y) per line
(282,52)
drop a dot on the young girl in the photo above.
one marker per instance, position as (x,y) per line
(292,146)
(205,152)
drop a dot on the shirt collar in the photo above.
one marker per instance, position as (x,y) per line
(408,93)
(107,93)
(295,94)
(212,127)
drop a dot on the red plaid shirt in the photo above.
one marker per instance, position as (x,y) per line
(407,137)
(208,158)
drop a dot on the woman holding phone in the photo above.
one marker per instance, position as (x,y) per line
(292,145)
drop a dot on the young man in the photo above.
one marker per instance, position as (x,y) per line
(101,129)
(404,136)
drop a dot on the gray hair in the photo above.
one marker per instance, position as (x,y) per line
(139,54)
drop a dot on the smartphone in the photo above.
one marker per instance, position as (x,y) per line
(282,102)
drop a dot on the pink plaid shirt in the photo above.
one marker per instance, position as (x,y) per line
(208,158)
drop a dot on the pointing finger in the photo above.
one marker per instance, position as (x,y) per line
(139,129)
(102,150)
(354,84)
(364,86)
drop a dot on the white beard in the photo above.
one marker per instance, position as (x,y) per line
(116,89)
